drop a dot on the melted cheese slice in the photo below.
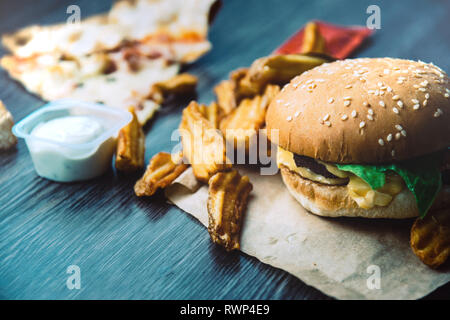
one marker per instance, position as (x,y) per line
(359,190)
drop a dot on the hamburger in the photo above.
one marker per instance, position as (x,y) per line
(365,137)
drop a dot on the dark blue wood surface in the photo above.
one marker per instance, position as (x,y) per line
(129,248)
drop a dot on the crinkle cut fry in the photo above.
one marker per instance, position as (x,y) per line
(212,113)
(430,237)
(244,122)
(230,92)
(278,69)
(160,173)
(227,201)
(313,41)
(180,84)
(226,97)
(130,149)
(203,145)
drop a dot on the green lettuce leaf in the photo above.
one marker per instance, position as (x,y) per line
(422,176)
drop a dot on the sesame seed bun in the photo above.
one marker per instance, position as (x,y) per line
(364,111)
(334,201)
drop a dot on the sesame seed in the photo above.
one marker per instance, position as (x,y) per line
(398,136)
(380,84)
(389,89)
(422,89)
(386,71)
(327,116)
(346,103)
(446,95)
(347,98)
(425,102)
(297,114)
(415,101)
(365,104)
(331,100)
(396,97)
(309,81)
(289,118)
(403,132)
(395,110)
(416,86)
(344,117)
(370,117)
(427,96)
(389,137)
(381,103)
(328,123)
(354,113)
(287,104)
(416,106)
(349,86)
(362,124)
(377,92)
(398,127)
(400,103)
(279,101)
(393,153)
(370,111)
(370,91)
(381,142)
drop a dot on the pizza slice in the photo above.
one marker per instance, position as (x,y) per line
(99,64)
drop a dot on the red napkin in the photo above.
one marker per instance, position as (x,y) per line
(340,41)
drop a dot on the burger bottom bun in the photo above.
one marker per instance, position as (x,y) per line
(334,201)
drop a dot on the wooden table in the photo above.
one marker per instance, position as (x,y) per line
(130,248)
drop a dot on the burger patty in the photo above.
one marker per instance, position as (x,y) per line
(314,166)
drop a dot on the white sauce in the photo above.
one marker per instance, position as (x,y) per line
(70,129)
(71,153)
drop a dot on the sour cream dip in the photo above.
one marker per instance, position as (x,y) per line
(70,129)
(67,161)
(70,140)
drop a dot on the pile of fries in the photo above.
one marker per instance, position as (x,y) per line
(232,121)
(206,132)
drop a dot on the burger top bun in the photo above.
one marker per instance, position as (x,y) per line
(363,111)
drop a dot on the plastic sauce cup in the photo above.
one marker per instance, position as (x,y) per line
(66,162)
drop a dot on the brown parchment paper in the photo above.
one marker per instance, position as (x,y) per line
(341,257)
